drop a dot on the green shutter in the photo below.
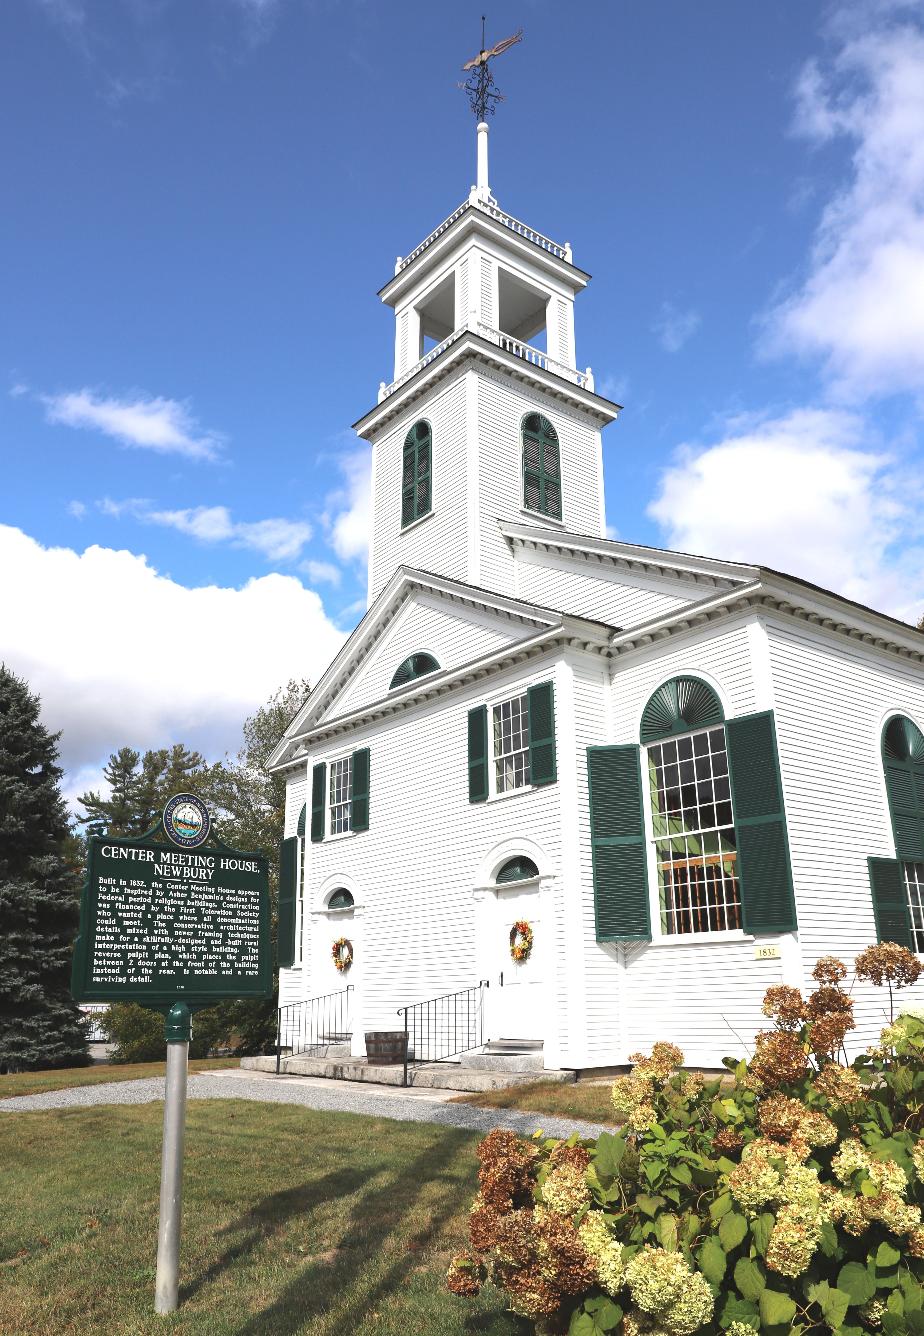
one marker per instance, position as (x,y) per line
(318,801)
(416,473)
(288,891)
(541,466)
(478,754)
(764,871)
(302,819)
(620,850)
(890,901)
(359,806)
(540,702)
(903,762)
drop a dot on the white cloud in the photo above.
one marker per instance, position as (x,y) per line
(674,327)
(321,572)
(276,539)
(801,494)
(861,306)
(124,656)
(164,425)
(349,513)
(77,509)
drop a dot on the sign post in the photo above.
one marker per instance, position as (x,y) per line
(176,927)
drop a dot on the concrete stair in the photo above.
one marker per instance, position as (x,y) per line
(461,1076)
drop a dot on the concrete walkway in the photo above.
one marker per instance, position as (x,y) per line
(414,1105)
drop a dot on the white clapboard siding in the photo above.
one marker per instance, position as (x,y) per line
(698,995)
(502,405)
(831,698)
(602,593)
(436,542)
(427,622)
(603,1004)
(414,871)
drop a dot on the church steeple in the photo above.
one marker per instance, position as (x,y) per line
(487,418)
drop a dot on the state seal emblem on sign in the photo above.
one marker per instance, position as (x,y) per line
(186,820)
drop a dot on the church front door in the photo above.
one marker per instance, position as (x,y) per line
(515,999)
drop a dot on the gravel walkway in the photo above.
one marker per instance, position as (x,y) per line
(340,1097)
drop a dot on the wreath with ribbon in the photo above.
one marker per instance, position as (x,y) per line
(521,941)
(342,952)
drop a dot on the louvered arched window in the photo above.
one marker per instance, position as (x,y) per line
(340,899)
(541,466)
(416,473)
(416,665)
(520,868)
(898,884)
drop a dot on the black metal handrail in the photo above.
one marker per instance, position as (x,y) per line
(443,1027)
(301,1026)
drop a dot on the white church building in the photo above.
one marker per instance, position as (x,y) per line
(685,778)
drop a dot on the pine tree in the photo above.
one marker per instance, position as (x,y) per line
(140,787)
(40,1026)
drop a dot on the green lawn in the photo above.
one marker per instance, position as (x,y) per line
(583,1100)
(33,1083)
(294,1221)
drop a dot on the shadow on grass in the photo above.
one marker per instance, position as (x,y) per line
(346,1291)
(270,1216)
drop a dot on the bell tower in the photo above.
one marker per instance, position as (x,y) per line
(488,421)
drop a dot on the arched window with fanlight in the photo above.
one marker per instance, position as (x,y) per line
(417,473)
(515,869)
(898,883)
(415,665)
(341,898)
(697,808)
(541,466)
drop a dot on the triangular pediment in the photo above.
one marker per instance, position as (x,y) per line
(622,584)
(416,613)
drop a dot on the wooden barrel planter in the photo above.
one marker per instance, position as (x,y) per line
(385,1047)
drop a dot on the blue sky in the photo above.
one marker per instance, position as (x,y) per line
(202,199)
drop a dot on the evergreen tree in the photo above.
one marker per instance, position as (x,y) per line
(140,787)
(40,1026)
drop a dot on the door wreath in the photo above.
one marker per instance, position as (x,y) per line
(342,952)
(521,941)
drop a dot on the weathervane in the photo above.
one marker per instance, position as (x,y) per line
(480,83)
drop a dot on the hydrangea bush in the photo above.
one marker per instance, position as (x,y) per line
(783,1197)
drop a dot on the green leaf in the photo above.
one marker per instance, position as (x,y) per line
(886,1255)
(833,1303)
(734,1309)
(609,1154)
(721,1206)
(681,1173)
(856,1282)
(829,1243)
(666,1230)
(732,1230)
(776,1309)
(761,1229)
(648,1205)
(581,1324)
(749,1278)
(712,1260)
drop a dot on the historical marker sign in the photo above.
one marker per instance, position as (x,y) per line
(161,923)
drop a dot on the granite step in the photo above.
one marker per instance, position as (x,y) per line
(426,1075)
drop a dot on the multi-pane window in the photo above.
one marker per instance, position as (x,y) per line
(541,466)
(694,833)
(511,744)
(341,795)
(914,881)
(416,468)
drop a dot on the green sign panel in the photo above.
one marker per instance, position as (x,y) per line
(161,923)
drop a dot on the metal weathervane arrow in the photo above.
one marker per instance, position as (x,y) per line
(480,86)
